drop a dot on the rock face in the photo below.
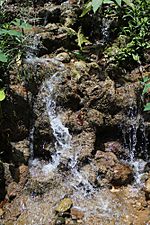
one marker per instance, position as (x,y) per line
(147,189)
(2,182)
(95,101)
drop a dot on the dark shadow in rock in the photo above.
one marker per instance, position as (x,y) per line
(106,134)
(2,182)
(16,116)
(14,173)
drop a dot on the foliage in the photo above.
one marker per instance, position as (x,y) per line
(80,38)
(2,94)
(12,39)
(146,91)
(97,4)
(135,26)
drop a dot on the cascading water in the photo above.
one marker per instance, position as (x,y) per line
(135,144)
(60,132)
(76,180)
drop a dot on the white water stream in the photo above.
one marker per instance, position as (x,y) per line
(102,202)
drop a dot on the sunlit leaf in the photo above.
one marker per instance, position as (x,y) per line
(146,88)
(10,32)
(3,31)
(18,60)
(129,3)
(81,38)
(86,9)
(14,33)
(118,2)
(2,94)
(147,107)
(145,79)
(25,25)
(96,4)
(3,57)
(136,57)
(21,24)
(107,2)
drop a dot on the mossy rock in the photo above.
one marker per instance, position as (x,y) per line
(64,205)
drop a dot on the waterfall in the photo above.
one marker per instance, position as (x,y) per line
(135,142)
(60,132)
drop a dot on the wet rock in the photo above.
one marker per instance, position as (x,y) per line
(20,152)
(8,175)
(23,175)
(50,14)
(54,40)
(95,118)
(43,134)
(59,221)
(122,175)
(76,213)
(105,161)
(12,190)
(86,142)
(64,205)
(1,212)
(102,95)
(63,57)
(2,182)
(147,189)
(88,171)
(115,147)
(126,95)
(147,167)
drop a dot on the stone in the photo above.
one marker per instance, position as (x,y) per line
(23,174)
(20,152)
(122,175)
(64,205)
(115,147)
(76,213)
(63,57)
(147,189)
(95,117)
(12,190)
(1,212)
(89,172)
(2,182)
(59,221)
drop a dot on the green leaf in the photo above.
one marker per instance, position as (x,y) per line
(3,57)
(10,32)
(71,32)
(146,88)
(118,2)
(21,24)
(3,31)
(25,25)
(16,22)
(86,9)
(107,2)
(2,94)
(14,33)
(1,2)
(136,57)
(145,79)
(96,4)
(81,38)
(129,3)
(147,107)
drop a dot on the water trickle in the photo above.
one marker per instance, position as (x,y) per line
(60,132)
(135,143)
(105,30)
